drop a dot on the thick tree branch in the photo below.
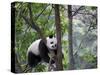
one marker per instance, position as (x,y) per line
(59,65)
(33,25)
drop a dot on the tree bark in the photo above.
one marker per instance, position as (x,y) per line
(70,38)
(59,65)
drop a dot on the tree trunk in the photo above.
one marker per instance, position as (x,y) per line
(59,65)
(70,38)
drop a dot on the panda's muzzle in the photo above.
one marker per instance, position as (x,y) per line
(54,46)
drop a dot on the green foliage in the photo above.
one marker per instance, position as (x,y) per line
(40,68)
(25,35)
(89,58)
(65,60)
(45,20)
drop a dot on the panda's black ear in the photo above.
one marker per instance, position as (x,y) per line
(50,36)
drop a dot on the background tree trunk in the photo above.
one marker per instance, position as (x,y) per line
(59,65)
(70,38)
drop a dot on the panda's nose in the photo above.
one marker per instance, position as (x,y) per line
(52,46)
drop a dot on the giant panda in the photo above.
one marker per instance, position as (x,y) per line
(38,50)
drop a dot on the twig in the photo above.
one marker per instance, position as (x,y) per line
(48,17)
(41,12)
(80,8)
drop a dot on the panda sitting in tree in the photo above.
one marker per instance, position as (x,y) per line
(38,50)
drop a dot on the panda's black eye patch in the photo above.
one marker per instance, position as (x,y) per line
(51,42)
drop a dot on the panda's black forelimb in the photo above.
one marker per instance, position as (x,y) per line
(33,60)
(44,51)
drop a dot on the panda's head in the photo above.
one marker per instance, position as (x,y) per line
(51,42)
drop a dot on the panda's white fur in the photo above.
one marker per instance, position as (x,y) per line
(34,47)
(49,45)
